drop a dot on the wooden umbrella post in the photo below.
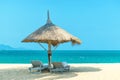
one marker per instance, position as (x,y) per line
(49,54)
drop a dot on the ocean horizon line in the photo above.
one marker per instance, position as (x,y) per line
(60,50)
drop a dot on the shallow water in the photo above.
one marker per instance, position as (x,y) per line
(76,56)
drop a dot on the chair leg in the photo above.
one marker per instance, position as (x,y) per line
(30,70)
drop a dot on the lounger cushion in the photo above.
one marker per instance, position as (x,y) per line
(57,64)
(36,63)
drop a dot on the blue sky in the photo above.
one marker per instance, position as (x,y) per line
(95,22)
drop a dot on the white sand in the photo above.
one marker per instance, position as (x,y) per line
(77,72)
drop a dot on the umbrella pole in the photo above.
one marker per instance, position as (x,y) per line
(49,54)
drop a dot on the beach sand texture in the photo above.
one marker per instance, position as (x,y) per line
(77,72)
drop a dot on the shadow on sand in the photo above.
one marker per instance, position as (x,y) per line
(85,69)
(24,74)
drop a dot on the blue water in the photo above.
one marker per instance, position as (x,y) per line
(69,56)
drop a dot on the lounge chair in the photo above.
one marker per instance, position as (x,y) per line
(60,67)
(37,66)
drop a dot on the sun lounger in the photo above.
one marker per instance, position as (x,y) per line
(60,67)
(37,66)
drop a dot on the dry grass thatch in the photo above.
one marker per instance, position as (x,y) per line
(51,33)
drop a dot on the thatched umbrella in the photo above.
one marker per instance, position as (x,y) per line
(52,35)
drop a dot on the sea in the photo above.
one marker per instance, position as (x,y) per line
(70,56)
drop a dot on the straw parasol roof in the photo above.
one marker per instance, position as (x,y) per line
(51,32)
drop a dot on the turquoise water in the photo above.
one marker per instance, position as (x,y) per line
(75,56)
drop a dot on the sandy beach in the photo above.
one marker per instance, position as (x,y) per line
(77,72)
